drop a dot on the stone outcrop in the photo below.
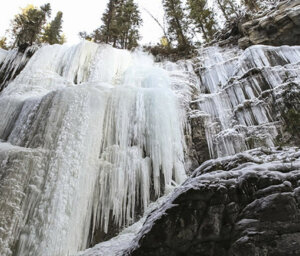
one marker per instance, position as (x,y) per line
(247,204)
(280,26)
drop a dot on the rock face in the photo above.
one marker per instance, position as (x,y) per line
(248,204)
(281,26)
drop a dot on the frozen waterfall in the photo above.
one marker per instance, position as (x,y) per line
(89,136)
(242,96)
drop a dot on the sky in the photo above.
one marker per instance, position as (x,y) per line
(85,15)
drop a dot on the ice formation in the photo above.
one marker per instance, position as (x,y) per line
(88,133)
(239,95)
(235,95)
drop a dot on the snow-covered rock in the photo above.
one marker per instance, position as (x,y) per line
(247,204)
(280,26)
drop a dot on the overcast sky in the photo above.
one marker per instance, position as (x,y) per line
(85,15)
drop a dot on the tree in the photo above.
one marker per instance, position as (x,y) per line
(129,22)
(108,31)
(120,28)
(52,33)
(203,18)
(228,8)
(177,22)
(165,42)
(27,26)
(3,43)
(63,39)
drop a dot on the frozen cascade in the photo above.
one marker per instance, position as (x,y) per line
(91,134)
(241,95)
(88,132)
(240,100)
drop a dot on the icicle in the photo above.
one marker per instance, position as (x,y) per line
(232,85)
(101,128)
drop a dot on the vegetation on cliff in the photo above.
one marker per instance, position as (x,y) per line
(120,25)
(188,24)
(30,27)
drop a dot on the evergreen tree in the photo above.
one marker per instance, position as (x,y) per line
(120,28)
(108,31)
(52,33)
(129,21)
(27,26)
(177,22)
(203,18)
(3,43)
(228,8)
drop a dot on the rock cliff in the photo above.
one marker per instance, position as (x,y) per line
(247,204)
(280,26)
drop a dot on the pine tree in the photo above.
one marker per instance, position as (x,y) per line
(3,43)
(203,18)
(27,26)
(228,8)
(52,33)
(129,23)
(108,30)
(120,28)
(177,22)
